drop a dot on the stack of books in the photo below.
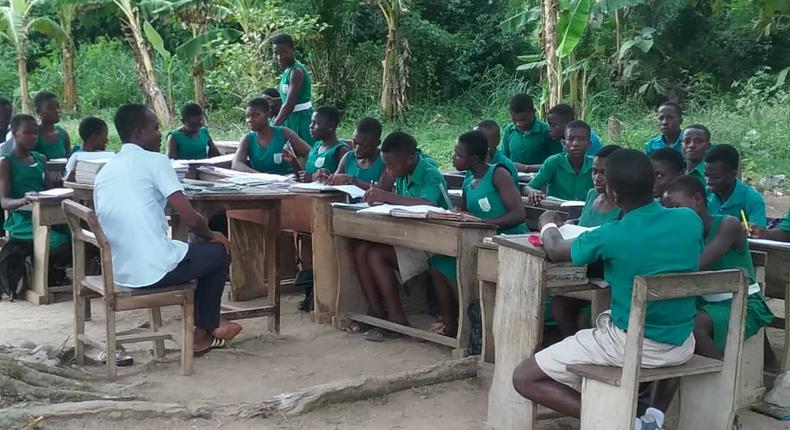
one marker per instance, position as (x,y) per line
(86,170)
(181,169)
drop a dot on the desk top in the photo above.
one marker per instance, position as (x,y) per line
(458,224)
(248,193)
(772,245)
(520,243)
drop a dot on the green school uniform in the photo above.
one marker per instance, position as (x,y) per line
(658,142)
(533,146)
(192,147)
(699,173)
(318,159)
(368,174)
(785,224)
(425,182)
(744,198)
(270,158)
(592,218)
(25,179)
(676,241)
(54,149)
(299,119)
(499,158)
(561,181)
(758,315)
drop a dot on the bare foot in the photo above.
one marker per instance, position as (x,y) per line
(227,330)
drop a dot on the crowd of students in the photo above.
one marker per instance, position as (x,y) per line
(682,195)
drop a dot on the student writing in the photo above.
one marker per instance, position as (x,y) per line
(363,166)
(191,141)
(728,195)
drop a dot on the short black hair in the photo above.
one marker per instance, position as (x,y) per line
(191,110)
(271,92)
(129,118)
(564,111)
(630,174)
(488,124)
(577,123)
(672,105)
(329,112)
(673,159)
(475,143)
(91,126)
(725,153)
(42,97)
(687,184)
(399,142)
(521,103)
(283,39)
(369,125)
(259,103)
(18,120)
(5,102)
(702,128)
(607,150)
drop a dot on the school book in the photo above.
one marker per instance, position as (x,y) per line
(316,187)
(572,231)
(417,212)
(220,160)
(54,193)
(86,170)
(180,168)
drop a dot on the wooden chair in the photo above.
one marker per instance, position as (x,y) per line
(751,384)
(708,395)
(117,299)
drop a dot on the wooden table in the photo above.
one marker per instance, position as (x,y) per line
(46,212)
(777,285)
(226,146)
(533,213)
(456,239)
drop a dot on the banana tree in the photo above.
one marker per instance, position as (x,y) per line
(395,75)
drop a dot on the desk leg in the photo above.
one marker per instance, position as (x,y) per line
(271,233)
(466,268)
(39,291)
(325,268)
(487,299)
(349,293)
(518,328)
(248,241)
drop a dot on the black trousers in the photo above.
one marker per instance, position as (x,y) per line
(208,264)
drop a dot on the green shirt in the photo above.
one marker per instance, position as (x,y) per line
(785,224)
(318,159)
(268,159)
(649,240)
(485,202)
(306,93)
(533,146)
(368,174)
(699,173)
(592,218)
(744,198)
(499,158)
(561,181)
(191,147)
(733,258)
(425,182)
(658,142)
(54,149)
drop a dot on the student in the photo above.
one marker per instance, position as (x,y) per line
(417,182)
(491,131)
(94,135)
(668,164)
(53,141)
(327,150)
(780,233)
(6,111)
(670,117)
(263,149)
(489,194)
(295,89)
(363,166)
(728,195)
(526,140)
(559,117)
(696,143)
(191,141)
(130,196)
(675,244)
(275,100)
(566,175)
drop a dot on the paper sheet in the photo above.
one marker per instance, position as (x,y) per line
(387,209)
(771,243)
(572,231)
(352,190)
(572,203)
(56,192)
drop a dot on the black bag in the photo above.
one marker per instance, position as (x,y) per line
(14,260)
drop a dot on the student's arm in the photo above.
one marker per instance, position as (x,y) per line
(212,149)
(377,195)
(731,234)
(341,178)
(527,168)
(386,181)
(533,189)
(172,147)
(67,144)
(294,88)
(773,234)
(196,222)
(299,149)
(241,160)
(756,213)
(557,248)
(503,182)
(6,201)
(70,165)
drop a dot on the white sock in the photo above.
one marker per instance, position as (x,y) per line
(637,424)
(658,415)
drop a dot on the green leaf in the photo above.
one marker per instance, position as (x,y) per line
(530,58)
(532,66)
(571,26)
(204,45)
(49,28)
(156,41)
(520,20)
(603,7)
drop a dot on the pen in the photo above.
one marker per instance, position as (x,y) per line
(745,223)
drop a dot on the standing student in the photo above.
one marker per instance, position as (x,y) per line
(668,164)
(6,111)
(327,150)
(53,141)
(363,166)
(559,117)
(728,195)
(264,149)
(94,135)
(295,89)
(567,175)
(491,131)
(526,139)
(648,240)
(130,196)
(191,141)
(417,182)
(489,194)
(696,143)
(275,100)
(669,117)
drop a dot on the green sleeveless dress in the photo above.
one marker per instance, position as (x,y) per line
(270,158)
(25,179)
(318,159)
(372,173)
(191,147)
(55,149)
(299,119)
(758,315)
(592,218)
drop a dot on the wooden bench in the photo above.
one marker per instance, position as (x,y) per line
(751,383)
(708,398)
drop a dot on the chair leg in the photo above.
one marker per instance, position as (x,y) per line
(112,372)
(699,409)
(88,311)
(156,323)
(79,326)
(606,406)
(187,333)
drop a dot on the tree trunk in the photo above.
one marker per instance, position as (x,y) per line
(146,74)
(69,80)
(387,79)
(200,91)
(21,68)
(554,67)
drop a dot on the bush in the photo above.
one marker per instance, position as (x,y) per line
(106,76)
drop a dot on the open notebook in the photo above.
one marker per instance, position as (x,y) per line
(417,212)
(316,187)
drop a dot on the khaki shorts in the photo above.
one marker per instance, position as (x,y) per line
(411,262)
(605,346)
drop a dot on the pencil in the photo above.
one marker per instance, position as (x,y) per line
(745,223)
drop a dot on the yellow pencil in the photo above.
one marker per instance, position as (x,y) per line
(745,223)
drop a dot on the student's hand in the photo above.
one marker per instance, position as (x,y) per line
(340,179)
(756,232)
(375,195)
(288,155)
(322,175)
(217,237)
(304,177)
(550,217)
(534,197)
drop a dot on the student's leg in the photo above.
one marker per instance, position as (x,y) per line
(361,251)
(383,263)
(530,381)
(703,335)
(567,312)
(662,393)
(448,302)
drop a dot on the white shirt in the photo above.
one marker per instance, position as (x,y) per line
(82,155)
(130,196)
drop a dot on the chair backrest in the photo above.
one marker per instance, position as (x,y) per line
(78,216)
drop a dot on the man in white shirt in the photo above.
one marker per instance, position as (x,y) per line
(130,196)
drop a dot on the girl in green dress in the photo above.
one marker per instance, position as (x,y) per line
(267,149)
(191,141)
(53,141)
(363,166)
(599,208)
(295,89)
(488,193)
(328,150)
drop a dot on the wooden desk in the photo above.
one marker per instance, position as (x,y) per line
(46,212)
(533,213)
(226,146)
(777,285)
(456,239)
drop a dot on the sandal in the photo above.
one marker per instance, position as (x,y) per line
(122,359)
(356,327)
(381,335)
(216,343)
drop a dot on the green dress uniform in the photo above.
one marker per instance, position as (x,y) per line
(299,119)
(326,159)
(191,147)
(366,175)
(270,158)
(592,218)
(54,149)
(533,146)
(561,180)
(499,158)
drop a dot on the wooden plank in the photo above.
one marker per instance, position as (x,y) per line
(487,261)
(238,314)
(349,292)
(403,329)
(38,292)
(325,267)
(147,337)
(270,263)
(519,242)
(467,284)
(673,286)
(247,273)
(487,300)
(612,375)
